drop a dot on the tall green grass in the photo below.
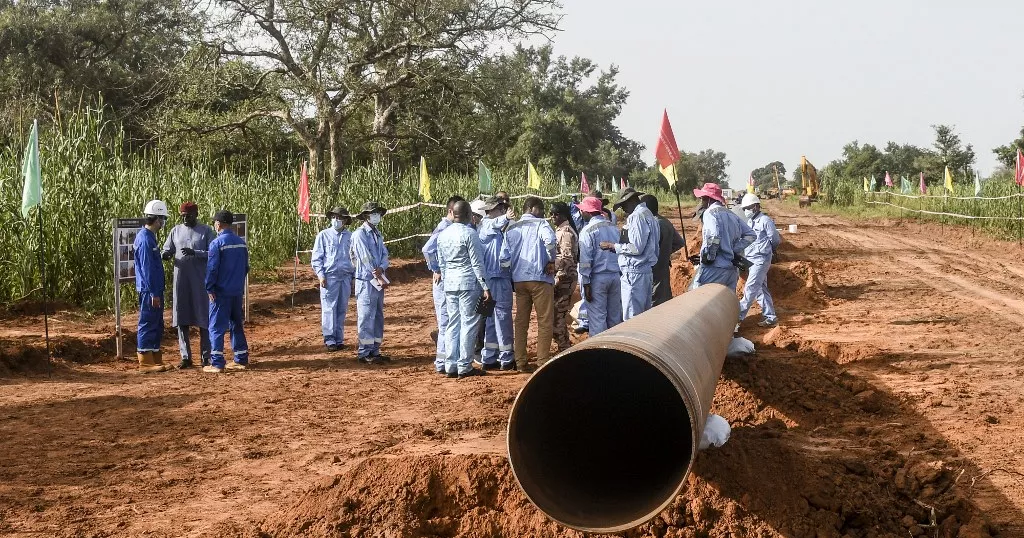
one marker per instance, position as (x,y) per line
(849,195)
(89,178)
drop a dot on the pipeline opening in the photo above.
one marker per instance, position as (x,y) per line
(600,439)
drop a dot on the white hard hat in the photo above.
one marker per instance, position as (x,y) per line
(477,206)
(156,207)
(749,199)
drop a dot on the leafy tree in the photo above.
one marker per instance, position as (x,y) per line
(949,151)
(65,53)
(764,177)
(323,63)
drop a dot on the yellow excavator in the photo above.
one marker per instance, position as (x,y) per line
(809,182)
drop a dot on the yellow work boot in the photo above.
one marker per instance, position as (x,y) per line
(147,365)
(158,359)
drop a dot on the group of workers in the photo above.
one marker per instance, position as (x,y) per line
(484,258)
(481,253)
(210,269)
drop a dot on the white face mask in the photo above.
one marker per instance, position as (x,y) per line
(337,223)
(749,213)
(374,218)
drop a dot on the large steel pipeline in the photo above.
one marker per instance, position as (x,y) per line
(602,437)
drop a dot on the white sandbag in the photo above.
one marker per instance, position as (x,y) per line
(739,346)
(574,312)
(716,432)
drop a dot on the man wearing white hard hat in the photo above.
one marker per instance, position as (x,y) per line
(149,281)
(759,253)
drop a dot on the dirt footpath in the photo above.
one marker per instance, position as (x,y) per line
(887,403)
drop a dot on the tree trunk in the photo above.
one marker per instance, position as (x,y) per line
(384,108)
(316,157)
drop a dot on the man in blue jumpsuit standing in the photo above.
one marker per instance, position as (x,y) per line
(460,256)
(637,254)
(759,253)
(440,310)
(497,352)
(599,269)
(332,263)
(226,270)
(370,259)
(724,236)
(149,282)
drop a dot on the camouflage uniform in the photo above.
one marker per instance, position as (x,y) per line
(568,253)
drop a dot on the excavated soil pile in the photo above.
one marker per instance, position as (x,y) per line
(813,453)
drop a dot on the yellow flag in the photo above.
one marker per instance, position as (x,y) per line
(424,180)
(670,173)
(949,180)
(867,187)
(533,178)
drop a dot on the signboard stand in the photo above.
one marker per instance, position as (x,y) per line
(124,233)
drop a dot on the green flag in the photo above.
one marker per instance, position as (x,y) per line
(33,193)
(561,180)
(615,185)
(485,177)
(905,185)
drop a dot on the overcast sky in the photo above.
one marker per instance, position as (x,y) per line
(773,80)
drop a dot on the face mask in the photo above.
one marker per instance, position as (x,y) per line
(374,218)
(337,223)
(749,213)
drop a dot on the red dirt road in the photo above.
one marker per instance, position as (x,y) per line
(894,385)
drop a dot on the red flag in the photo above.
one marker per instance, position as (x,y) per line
(622,183)
(584,186)
(667,152)
(888,179)
(1019,173)
(303,206)
(924,190)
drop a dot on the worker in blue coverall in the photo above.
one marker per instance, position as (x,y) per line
(332,263)
(370,259)
(149,282)
(759,253)
(440,310)
(227,267)
(599,268)
(497,350)
(724,236)
(461,260)
(638,253)
(583,321)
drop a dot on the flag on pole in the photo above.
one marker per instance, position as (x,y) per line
(867,188)
(561,180)
(1019,172)
(597,185)
(614,184)
(667,152)
(32,195)
(750,183)
(303,205)
(924,188)
(888,179)
(622,183)
(484,176)
(874,184)
(905,185)
(424,180)
(977,184)
(949,180)
(532,177)
(584,186)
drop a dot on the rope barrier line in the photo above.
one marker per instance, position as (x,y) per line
(915,197)
(943,214)
(428,204)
